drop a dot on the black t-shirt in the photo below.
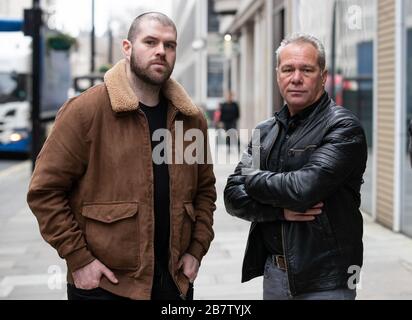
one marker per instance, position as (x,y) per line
(157,117)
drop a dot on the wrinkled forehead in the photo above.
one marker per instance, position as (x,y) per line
(154,28)
(300,53)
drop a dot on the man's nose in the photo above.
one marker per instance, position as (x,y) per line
(160,50)
(297,77)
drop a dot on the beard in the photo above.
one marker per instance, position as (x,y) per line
(146,75)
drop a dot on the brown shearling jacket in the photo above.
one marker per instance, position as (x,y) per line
(92,187)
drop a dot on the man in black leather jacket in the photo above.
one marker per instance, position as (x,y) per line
(303,199)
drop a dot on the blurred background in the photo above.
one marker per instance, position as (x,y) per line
(51,50)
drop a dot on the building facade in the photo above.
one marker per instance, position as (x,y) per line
(200,62)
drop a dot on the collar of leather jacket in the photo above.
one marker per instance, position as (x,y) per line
(123,99)
(284,115)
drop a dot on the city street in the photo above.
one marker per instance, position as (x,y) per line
(8,161)
(31,269)
(240,62)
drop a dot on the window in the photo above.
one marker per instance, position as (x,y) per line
(212,18)
(214,77)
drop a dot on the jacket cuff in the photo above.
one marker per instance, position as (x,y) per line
(196,250)
(78,259)
(281,214)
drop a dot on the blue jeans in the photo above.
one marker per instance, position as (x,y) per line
(276,287)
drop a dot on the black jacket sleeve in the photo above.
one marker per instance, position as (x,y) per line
(239,204)
(343,151)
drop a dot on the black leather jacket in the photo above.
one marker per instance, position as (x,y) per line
(325,162)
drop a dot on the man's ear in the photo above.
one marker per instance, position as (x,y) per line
(127,49)
(278,76)
(324,76)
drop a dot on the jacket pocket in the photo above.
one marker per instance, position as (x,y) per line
(324,220)
(299,156)
(189,219)
(322,224)
(112,233)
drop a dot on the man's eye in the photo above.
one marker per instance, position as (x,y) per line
(150,42)
(170,46)
(287,70)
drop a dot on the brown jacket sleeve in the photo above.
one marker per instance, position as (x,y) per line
(60,163)
(204,203)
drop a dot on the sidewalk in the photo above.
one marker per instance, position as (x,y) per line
(29,266)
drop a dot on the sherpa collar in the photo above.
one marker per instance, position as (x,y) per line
(123,98)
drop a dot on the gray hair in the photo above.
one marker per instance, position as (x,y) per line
(304,38)
(158,16)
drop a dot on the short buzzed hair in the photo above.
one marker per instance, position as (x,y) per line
(158,16)
(304,38)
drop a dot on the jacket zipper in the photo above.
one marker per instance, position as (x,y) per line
(282,224)
(169,126)
(270,149)
(146,123)
(311,146)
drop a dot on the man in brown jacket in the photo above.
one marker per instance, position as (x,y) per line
(127,224)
